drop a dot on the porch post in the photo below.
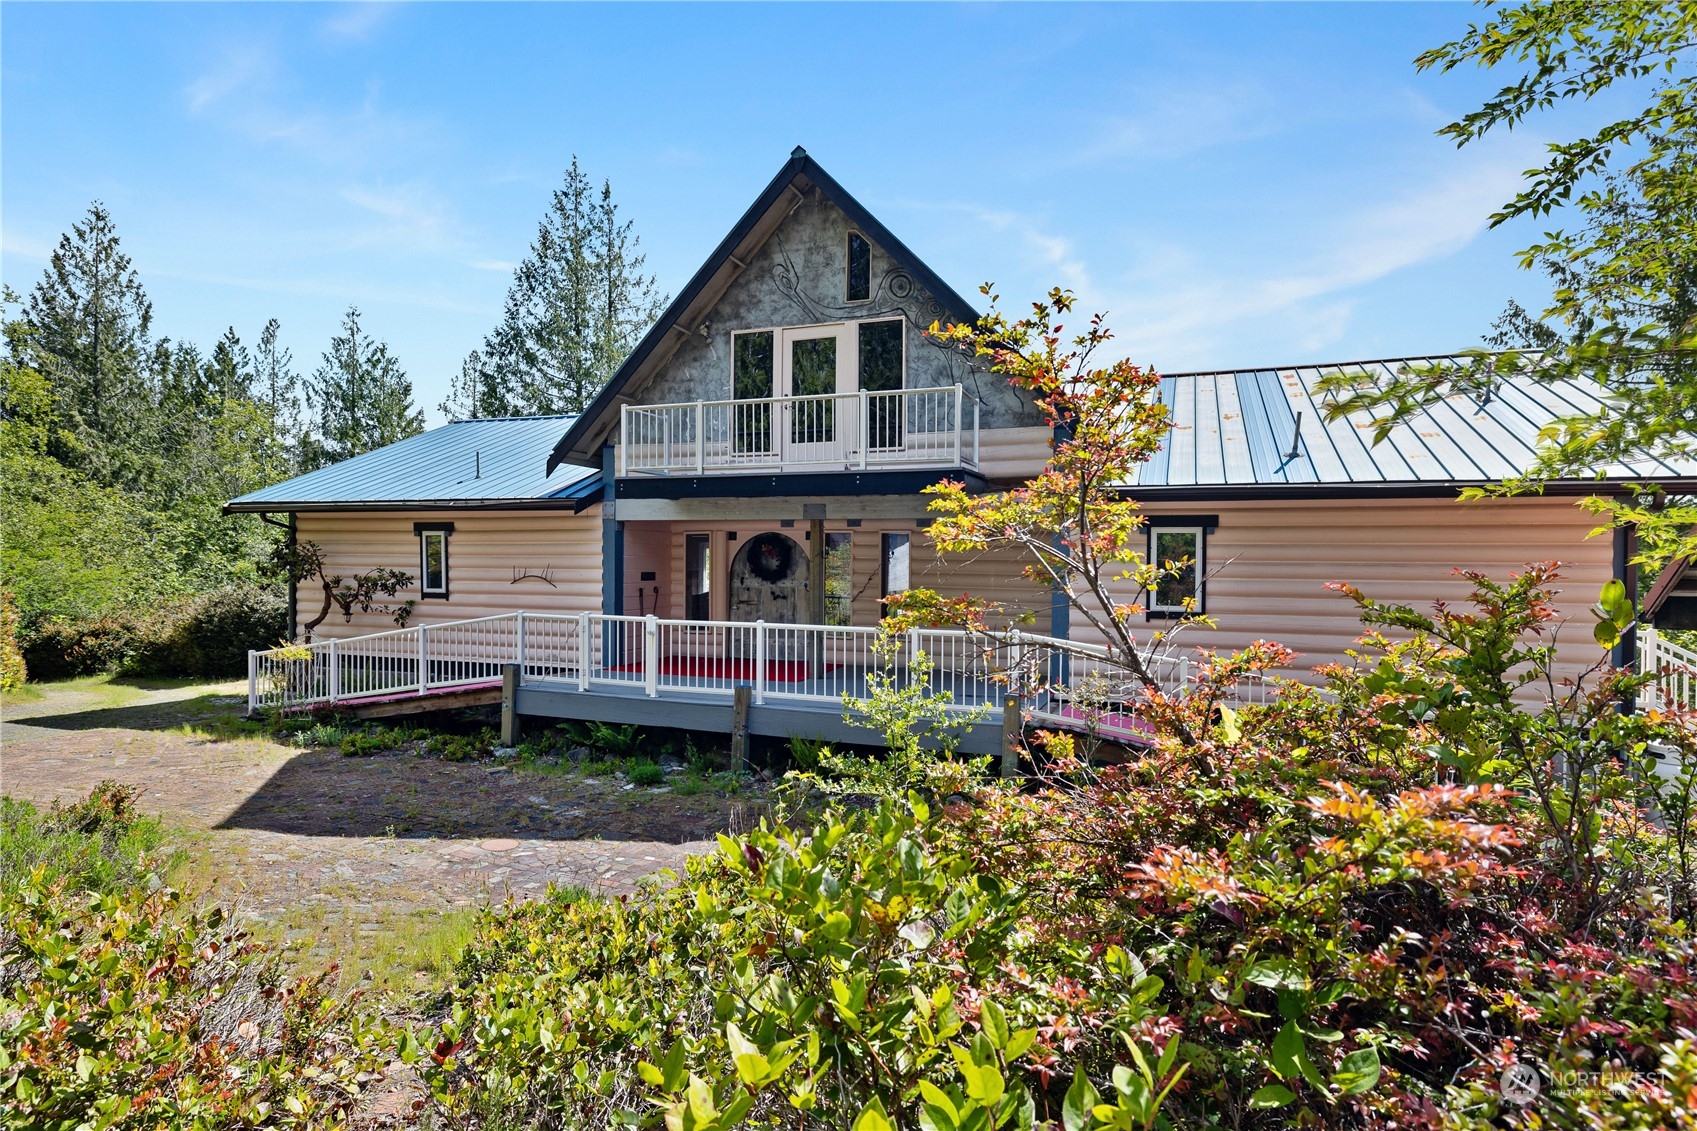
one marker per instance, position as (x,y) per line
(612,560)
(816,597)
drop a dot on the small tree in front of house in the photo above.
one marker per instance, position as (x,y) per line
(363,592)
(1077,531)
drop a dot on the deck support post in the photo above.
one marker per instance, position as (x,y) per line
(423,662)
(1011,733)
(651,655)
(740,696)
(252,682)
(509,705)
(760,661)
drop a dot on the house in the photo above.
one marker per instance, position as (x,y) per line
(759,460)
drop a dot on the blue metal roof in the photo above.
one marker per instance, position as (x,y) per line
(466,463)
(1239,429)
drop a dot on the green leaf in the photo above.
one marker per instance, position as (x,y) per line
(994,1023)
(1230,729)
(872,1118)
(1081,1100)
(1278,973)
(1290,1057)
(836,926)
(1358,1072)
(650,1074)
(1273,1095)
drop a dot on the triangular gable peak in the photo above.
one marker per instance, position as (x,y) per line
(787,264)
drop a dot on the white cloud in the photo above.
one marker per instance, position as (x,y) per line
(416,218)
(238,68)
(1176,122)
(501,265)
(355,22)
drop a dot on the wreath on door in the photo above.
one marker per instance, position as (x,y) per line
(771,557)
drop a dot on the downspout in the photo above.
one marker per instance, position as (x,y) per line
(290,530)
(1625,653)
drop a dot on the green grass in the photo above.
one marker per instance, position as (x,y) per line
(28,693)
(99,844)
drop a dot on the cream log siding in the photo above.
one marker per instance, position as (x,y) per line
(1013,453)
(483,552)
(1268,565)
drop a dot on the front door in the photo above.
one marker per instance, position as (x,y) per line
(768,582)
(815,362)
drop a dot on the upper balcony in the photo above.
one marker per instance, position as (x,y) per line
(864,431)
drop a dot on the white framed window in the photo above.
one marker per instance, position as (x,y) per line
(895,565)
(1182,551)
(433,557)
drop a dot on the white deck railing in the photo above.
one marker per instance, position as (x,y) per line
(1059,681)
(1674,669)
(842,432)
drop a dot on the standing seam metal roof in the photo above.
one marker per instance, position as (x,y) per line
(490,461)
(1238,427)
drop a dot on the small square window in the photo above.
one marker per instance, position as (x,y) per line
(1181,549)
(433,557)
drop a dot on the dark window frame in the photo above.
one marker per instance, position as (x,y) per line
(849,280)
(422,531)
(1201,526)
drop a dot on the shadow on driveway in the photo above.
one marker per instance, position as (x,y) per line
(321,793)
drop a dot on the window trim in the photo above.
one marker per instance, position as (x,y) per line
(1184,524)
(422,531)
(848,265)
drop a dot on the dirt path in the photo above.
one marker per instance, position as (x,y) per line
(310,841)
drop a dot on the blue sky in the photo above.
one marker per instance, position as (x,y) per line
(1237,184)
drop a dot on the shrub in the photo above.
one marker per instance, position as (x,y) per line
(646,773)
(13,672)
(58,649)
(209,635)
(826,978)
(463,747)
(97,844)
(126,1010)
(366,742)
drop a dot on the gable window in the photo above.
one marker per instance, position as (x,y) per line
(433,557)
(1180,549)
(698,577)
(894,570)
(859,268)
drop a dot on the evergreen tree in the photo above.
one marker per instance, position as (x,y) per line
(577,304)
(91,319)
(359,397)
(277,388)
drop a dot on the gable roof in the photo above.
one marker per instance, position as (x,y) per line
(491,462)
(1237,433)
(583,439)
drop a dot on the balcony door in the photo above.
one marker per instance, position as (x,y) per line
(815,362)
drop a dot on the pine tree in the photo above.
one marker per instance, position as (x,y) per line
(359,397)
(577,304)
(277,389)
(91,318)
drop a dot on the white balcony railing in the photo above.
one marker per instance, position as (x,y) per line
(840,432)
(1058,682)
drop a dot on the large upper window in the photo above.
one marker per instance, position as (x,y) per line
(859,268)
(1179,550)
(752,370)
(881,372)
(433,557)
